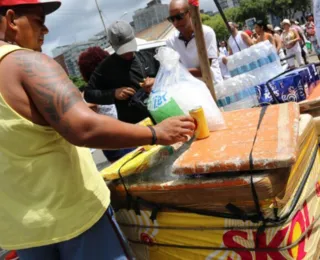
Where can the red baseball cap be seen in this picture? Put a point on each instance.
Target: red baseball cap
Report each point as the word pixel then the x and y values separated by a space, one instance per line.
pixel 49 6
pixel 246 31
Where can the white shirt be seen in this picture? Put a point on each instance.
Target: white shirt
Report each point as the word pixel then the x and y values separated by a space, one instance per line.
pixel 239 42
pixel 224 69
pixel 189 54
pixel 224 51
pixel 108 110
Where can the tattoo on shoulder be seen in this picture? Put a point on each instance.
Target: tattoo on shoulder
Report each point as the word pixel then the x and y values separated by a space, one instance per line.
pixel 53 89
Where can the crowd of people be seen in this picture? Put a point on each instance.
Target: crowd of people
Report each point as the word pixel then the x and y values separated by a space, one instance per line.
pixel 290 40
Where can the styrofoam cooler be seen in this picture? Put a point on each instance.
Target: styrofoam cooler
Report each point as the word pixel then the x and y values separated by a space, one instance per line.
pixel 286 165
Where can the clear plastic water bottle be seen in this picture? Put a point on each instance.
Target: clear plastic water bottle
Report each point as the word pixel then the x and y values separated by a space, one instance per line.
pixel 243 63
pixel 232 66
pixel 255 57
pixel 264 62
pixel 250 98
pixel 252 61
pixel 238 62
pixel 274 59
pixel 231 89
pixel 221 90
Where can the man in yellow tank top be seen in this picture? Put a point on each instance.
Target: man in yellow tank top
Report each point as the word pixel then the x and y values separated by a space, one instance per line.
pixel 53 203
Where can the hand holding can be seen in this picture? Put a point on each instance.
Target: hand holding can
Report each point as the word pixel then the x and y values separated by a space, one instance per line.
pixel 202 129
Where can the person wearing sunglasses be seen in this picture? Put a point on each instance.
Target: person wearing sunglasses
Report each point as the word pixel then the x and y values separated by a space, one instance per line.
pixel 183 41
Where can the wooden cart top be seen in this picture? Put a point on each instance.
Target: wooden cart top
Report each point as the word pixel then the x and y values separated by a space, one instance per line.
pixel 229 150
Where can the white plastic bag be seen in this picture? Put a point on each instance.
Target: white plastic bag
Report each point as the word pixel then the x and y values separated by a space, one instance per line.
pixel 108 110
pixel 174 85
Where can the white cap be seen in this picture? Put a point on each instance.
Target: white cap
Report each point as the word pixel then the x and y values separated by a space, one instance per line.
pixel 286 21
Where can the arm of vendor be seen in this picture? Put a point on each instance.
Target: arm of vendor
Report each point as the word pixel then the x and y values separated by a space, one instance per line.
pixel 183 41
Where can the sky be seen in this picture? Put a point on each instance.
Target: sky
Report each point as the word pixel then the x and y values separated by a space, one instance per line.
pixel 79 20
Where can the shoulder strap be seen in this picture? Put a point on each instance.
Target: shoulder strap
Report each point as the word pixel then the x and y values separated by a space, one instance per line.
pixel 7 49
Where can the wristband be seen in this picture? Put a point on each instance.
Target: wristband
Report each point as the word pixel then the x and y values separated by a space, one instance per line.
pixel 154 135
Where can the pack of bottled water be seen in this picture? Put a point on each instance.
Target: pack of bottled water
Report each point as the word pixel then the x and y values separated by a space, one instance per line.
pixel 249 68
pixel 237 93
pixel 260 61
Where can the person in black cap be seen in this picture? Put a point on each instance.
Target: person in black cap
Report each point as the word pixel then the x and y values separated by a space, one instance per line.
pixel 123 76
pixel 54 203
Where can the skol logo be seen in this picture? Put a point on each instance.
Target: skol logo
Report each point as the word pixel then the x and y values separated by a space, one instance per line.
pixel 318 188
pixel 292 232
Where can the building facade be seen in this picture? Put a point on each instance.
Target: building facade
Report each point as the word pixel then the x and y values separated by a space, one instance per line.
pixel 153 14
pixel 67 56
pixel 225 4
pixel 60 59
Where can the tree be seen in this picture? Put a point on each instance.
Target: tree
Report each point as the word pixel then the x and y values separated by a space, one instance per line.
pixel 217 24
pixel 79 82
pixel 280 8
pixel 253 8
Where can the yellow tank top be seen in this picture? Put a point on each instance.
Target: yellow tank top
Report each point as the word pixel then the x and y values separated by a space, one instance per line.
pixel 50 190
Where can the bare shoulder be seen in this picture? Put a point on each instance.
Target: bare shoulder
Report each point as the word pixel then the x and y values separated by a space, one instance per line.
pixel 47 84
pixel 34 63
pixel 244 35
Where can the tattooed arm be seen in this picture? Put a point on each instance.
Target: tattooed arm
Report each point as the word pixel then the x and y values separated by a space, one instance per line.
pixel 62 106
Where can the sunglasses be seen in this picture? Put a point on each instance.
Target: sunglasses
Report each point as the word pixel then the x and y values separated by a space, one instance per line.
pixel 177 17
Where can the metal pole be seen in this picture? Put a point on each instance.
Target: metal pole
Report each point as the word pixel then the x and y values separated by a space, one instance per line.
pixel 225 21
pixel 100 13
pixel 222 15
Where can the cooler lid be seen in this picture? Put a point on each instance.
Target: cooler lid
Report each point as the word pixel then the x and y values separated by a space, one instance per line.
pixel 229 150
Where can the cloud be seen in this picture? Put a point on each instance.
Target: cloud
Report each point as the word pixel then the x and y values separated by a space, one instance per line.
pixel 79 20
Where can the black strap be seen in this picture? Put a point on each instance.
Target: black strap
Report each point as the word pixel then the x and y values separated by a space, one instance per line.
pixel 261 229
pixel 238 214
pixel 129 198
pixel 237 211
pixel 154 213
pixel 270 89
pixel 136 207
